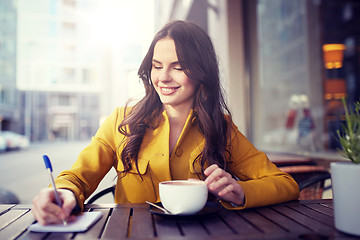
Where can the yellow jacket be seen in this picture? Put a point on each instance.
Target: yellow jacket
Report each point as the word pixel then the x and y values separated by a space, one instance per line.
pixel 263 183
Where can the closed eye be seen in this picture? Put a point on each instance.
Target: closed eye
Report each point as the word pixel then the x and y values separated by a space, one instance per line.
pixel 157 66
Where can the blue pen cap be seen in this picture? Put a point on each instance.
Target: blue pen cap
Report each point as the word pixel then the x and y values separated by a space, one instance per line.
pixel 47 162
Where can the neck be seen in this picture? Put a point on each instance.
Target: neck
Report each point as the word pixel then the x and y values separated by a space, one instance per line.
pixel 177 116
pixel 177 119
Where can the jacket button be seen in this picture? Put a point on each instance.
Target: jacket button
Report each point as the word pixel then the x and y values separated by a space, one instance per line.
pixel 179 152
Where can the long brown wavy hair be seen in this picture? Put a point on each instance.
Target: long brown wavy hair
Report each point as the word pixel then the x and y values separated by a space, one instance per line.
pixel 197 57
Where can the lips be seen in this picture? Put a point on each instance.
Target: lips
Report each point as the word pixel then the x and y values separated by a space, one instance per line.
pixel 168 90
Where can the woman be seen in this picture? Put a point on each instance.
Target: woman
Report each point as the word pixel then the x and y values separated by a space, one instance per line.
pixel 181 129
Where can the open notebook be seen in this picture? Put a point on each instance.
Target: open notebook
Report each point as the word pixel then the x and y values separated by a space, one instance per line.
pixel 82 223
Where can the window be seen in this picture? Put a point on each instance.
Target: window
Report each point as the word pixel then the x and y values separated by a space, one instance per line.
pixel 68 75
pixel 69 28
pixel 307 60
pixel 69 3
pixel 86 75
pixel 69 51
pixel 64 100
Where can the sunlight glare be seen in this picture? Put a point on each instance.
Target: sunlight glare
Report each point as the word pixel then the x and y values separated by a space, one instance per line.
pixel 118 22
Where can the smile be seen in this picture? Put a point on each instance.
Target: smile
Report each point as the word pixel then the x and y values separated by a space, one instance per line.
pixel 168 90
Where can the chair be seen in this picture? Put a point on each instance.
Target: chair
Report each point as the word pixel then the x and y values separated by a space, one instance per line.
pixel 8 197
pixel 310 178
pixel 102 193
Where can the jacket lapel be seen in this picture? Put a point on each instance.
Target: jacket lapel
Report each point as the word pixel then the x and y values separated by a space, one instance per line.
pixel 155 149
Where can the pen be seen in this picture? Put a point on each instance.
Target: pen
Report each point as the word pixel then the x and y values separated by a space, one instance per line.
pixel 50 170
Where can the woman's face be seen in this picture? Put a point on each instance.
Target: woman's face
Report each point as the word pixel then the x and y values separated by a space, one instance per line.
pixel 172 85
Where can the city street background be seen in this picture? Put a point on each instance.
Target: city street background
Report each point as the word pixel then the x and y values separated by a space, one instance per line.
pixel 23 172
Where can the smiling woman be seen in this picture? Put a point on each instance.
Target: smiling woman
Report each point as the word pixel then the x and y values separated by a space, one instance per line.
pixel 180 130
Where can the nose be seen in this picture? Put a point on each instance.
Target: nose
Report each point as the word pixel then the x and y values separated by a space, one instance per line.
pixel 164 75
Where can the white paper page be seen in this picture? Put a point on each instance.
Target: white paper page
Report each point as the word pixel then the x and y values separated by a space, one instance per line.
pixel 82 223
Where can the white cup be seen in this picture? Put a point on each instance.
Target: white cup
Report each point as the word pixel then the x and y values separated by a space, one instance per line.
pixel 183 196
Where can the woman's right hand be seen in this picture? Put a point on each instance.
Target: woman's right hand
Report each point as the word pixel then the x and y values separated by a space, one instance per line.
pixel 45 209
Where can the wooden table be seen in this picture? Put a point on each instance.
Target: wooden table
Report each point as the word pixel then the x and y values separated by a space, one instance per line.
pixel 308 219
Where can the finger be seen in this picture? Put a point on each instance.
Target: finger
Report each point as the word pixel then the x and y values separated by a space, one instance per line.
pixel 219 184
pixel 214 176
pixel 68 206
pixel 54 210
pixel 210 169
pixel 232 193
pixel 226 190
pixel 69 201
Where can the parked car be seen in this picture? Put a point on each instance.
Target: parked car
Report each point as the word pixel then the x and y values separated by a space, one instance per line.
pixel 2 144
pixel 14 140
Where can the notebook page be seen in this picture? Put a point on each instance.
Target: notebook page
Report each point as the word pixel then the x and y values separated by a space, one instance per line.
pixel 82 223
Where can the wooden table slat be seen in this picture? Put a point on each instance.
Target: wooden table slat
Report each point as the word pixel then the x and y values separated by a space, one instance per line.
pixel 321 208
pixel 284 222
pixel 166 228
pixel 117 225
pixel 215 226
pixel 237 223
pixel 141 224
pixel 311 201
pixel 5 207
pixel 328 205
pixel 302 219
pixel 314 214
pixel 10 216
pixel 262 223
pixel 22 207
pixel 192 228
pixel 32 235
pixel 16 228
pixel 55 236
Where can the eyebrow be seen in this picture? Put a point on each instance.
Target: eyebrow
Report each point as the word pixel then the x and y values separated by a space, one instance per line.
pixel 173 63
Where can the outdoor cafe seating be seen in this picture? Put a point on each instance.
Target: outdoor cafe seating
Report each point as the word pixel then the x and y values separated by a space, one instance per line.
pixel 310 176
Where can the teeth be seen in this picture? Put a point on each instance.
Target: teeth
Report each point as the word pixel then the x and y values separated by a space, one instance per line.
pixel 168 89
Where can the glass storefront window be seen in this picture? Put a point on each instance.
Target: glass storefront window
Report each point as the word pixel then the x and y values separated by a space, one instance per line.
pixel 307 60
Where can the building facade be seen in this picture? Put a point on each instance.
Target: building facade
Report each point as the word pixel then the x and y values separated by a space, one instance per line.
pixel 56 74
pixel 66 64
pixel 9 111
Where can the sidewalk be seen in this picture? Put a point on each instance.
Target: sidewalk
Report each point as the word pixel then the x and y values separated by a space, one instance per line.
pixel 23 172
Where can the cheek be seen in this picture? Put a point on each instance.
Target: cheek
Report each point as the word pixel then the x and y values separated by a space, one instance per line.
pixel 190 84
pixel 153 76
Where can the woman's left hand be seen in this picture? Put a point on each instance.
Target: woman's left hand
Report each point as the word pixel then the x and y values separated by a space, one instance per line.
pixel 221 184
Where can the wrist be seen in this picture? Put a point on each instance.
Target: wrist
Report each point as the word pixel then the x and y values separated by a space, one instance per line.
pixel 239 203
